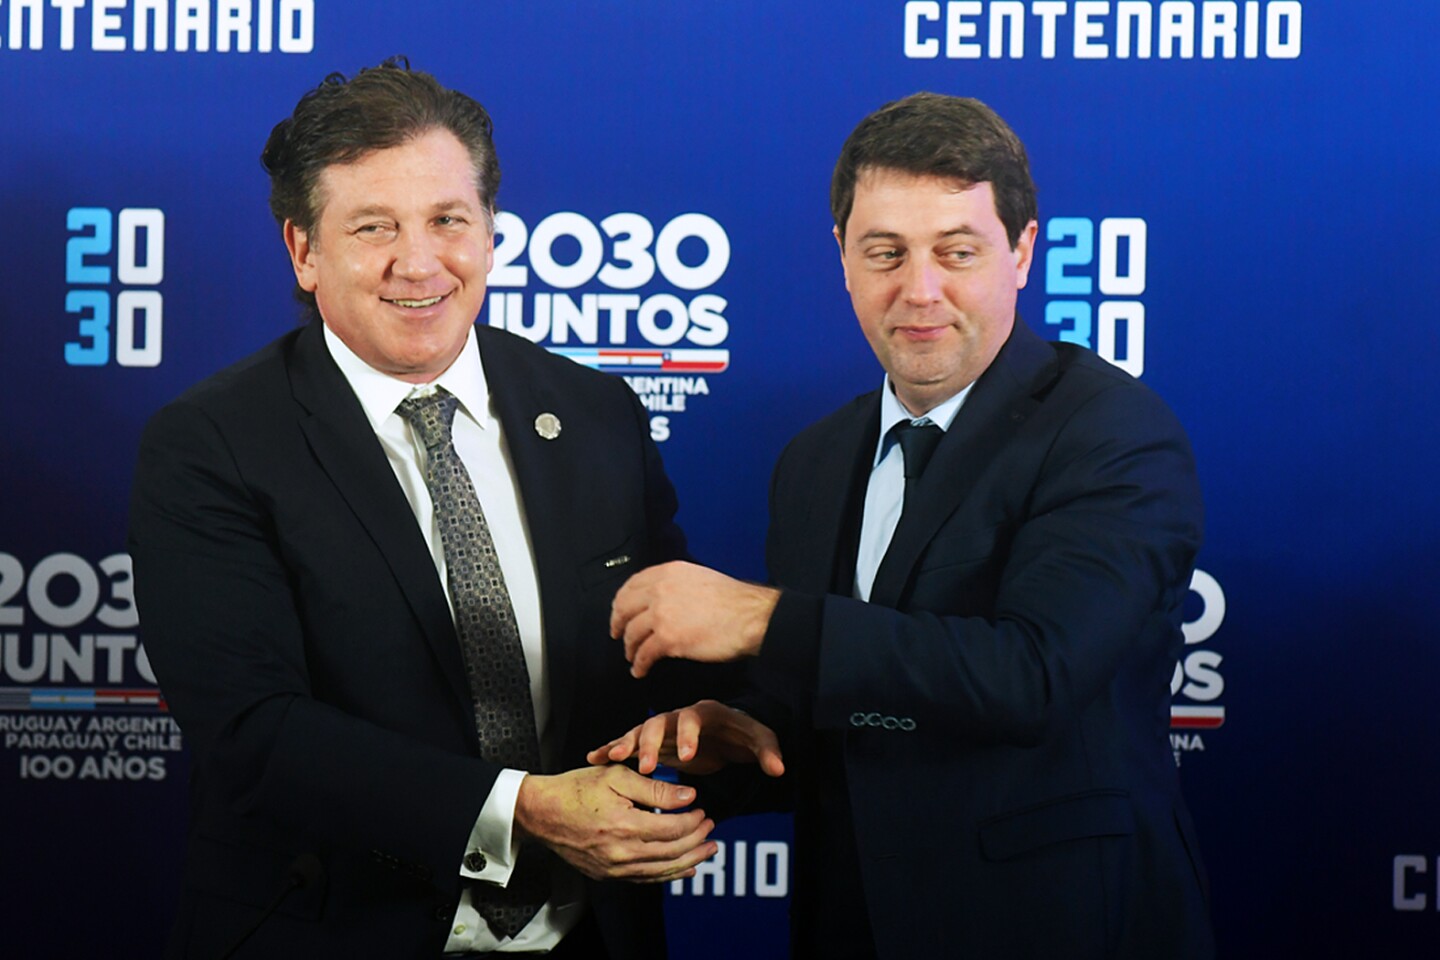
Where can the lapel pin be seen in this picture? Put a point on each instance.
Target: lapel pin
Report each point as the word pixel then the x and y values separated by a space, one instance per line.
pixel 548 426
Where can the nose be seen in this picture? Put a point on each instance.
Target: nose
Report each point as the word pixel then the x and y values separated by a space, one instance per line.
pixel 920 282
pixel 415 256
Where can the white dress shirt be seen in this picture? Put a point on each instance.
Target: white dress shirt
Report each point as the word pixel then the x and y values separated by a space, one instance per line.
pixel 885 493
pixel 481 445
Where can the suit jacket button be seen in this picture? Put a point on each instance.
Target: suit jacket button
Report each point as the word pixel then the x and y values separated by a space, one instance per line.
pixel 445 913
pixel 475 861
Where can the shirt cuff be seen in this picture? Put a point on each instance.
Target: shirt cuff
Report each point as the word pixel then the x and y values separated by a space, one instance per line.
pixel 491 853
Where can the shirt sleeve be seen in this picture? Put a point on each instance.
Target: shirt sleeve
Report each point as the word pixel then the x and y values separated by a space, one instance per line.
pixel 492 850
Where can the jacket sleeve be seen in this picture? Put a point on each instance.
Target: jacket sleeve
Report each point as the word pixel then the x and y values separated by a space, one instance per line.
pixel 1084 583
pixel 223 631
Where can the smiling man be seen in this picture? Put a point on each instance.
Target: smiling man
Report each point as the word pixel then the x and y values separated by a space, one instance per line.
pixel 964 668
pixel 376 561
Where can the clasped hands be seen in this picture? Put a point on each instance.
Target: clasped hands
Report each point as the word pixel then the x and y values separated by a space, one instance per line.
pixel 607 823
pixel 596 818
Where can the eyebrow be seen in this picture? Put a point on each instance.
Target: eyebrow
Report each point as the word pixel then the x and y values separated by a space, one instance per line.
pixel 964 230
pixel 380 210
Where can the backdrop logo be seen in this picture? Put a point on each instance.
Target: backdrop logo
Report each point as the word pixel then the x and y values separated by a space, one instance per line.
pixel 185 26
pixel 1409 883
pixel 735 872
pixel 1102 30
pixel 645 310
pixel 1076 266
pixel 1197 685
pixel 77 695
pixel 104 254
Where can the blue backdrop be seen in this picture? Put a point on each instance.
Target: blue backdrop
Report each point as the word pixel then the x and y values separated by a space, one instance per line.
pixel 1236 200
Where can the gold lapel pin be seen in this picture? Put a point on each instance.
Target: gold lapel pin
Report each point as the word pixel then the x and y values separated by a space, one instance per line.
pixel 548 426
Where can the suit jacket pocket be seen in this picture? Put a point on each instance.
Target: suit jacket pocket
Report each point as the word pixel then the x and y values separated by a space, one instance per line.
pixel 959 573
pixel 948 550
pixel 1095 813
pixel 252 874
pixel 618 562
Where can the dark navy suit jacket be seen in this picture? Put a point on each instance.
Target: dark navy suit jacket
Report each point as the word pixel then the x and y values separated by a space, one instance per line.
pixel 985 742
pixel 293 617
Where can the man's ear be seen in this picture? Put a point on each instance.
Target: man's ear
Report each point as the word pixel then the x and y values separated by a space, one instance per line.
pixel 302 255
pixel 490 245
pixel 841 241
pixel 1025 254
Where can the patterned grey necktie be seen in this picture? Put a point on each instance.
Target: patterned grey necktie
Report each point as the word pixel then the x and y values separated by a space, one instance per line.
pixel 489 643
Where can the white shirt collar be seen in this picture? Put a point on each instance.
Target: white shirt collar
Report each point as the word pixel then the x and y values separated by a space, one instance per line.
pixel 892 411
pixel 379 393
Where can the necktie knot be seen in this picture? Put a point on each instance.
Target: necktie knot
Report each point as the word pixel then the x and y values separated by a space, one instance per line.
pixel 917 444
pixel 432 416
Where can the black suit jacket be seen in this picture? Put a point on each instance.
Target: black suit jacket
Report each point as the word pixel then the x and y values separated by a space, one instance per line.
pixel 987 737
pixel 295 622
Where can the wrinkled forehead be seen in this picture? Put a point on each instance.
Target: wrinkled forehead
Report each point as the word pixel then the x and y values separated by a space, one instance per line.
pixel 876 184
pixel 403 156
pixel 871 178
pixel 880 191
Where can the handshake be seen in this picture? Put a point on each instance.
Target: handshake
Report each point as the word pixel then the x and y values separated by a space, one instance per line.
pixel 610 822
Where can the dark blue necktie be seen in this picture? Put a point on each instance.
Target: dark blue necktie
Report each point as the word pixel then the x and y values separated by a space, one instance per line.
pixel 917 445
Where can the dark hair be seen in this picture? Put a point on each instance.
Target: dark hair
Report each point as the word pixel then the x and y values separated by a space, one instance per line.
pixel 341 121
pixel 934 135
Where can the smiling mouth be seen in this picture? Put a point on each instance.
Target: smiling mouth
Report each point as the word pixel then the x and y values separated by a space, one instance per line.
pixel 414 304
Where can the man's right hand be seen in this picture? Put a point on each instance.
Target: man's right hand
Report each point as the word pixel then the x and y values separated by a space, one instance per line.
pixel 600 821
pixel 698 739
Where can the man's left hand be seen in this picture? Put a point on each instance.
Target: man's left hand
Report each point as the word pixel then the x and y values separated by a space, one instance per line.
pixel 683 610
pixel 698 739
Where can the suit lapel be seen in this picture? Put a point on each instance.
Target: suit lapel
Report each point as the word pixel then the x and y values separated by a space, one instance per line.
pixel 1003 399
pixel 346 449
pixel 832 532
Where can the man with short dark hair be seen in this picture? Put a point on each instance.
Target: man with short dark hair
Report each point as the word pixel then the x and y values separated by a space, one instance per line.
pixel 981 569
pixel 376 561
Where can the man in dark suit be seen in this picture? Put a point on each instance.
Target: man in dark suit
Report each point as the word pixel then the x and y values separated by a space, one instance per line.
pixel 376 561
pixel 981 569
